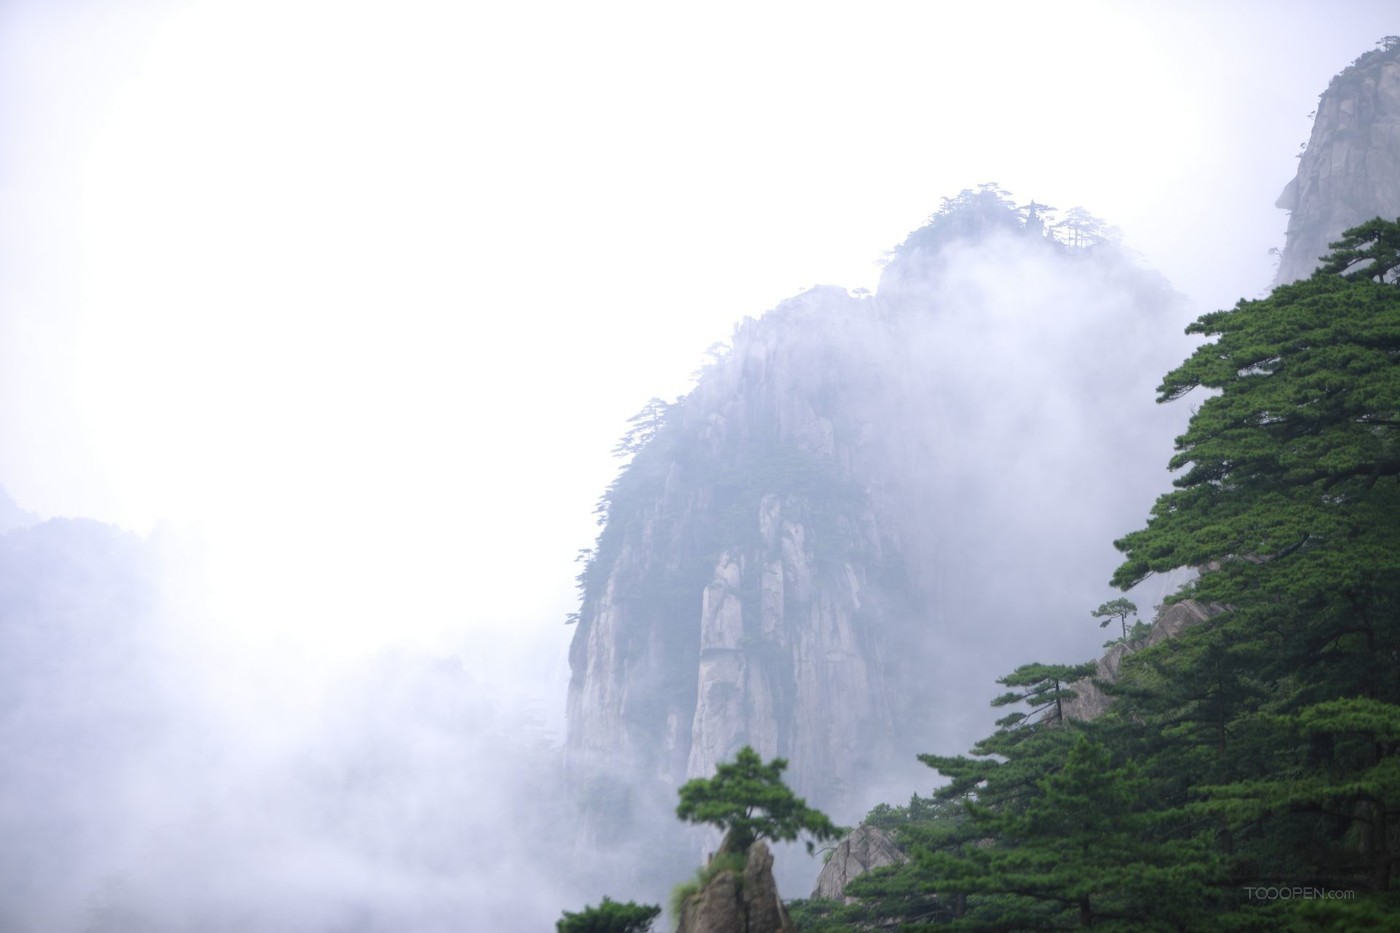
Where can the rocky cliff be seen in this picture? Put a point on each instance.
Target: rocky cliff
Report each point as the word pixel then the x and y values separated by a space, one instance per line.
pixel 1350 170
pixel 742 582
pixel 816 551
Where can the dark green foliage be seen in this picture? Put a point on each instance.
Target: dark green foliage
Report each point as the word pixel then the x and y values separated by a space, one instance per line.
pixel 1081 848
pixel 1285 468
pixel 1370 251
pixel 1289 498
pixel 748 800
pixel 1118 609
pixel 907 893
pixel 1259 751
pixel 877 908
pixel 1048 829
pixel 1007 763
pixel 610 917
pixel 1042 687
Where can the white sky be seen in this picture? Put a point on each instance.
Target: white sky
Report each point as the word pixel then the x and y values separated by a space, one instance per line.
pixel 364 293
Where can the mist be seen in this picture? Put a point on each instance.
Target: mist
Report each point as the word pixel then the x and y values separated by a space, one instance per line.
pixel 1041 444
pixel 319 325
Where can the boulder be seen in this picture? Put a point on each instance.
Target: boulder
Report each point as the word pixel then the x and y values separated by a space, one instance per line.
pixel 866 848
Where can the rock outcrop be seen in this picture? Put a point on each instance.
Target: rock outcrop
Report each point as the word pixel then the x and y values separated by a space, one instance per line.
pixel 739 903
pixel 867 847
pixel 1350 171
pixel 1090 701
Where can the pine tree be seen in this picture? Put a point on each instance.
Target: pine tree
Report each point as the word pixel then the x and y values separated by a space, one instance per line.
pixel 1289 502
pixel 748 800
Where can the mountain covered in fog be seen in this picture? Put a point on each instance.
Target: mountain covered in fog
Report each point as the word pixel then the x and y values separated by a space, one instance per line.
pixel 149 786
pixel 1349 171
pixel 819 550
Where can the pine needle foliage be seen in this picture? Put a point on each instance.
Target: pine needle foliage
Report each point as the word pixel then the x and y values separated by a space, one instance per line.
pixel 748 800
pixel 1247 775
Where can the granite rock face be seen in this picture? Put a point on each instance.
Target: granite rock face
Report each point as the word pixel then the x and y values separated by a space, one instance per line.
pixel 1350 171
pixel 739 903
pixel 865 848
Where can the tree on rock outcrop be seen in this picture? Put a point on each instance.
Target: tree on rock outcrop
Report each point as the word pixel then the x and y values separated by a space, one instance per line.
pixel 1118 609
pixel 644 426
pixel 748 800
pixel 1042 687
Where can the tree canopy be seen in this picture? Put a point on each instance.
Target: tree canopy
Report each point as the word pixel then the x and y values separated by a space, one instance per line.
pixel 1042 687
pixel 1118 609
pixel 610 917
pixel 748 800
pixel 1288 458
pixel 1375 243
